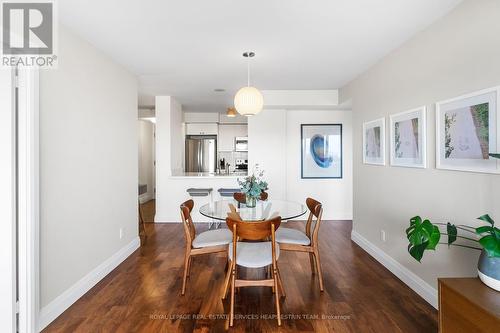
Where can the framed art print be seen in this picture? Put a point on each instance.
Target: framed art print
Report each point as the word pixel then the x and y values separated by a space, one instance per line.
pixel 321 151
pixel 467 131
pixel 408 138
pixel 374 142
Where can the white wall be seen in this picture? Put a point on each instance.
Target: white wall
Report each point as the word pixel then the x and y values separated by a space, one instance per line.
pixel 335 194
pixel 176 136
pixel 146 157
pixel 274 143
pixel 201 117
pixel 169 145
pixel 7 205
pixel 456 55
pixel 267 148
pixel 88 164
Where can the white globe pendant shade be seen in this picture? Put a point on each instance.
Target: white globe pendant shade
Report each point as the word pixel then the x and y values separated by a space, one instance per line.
pixel 248 101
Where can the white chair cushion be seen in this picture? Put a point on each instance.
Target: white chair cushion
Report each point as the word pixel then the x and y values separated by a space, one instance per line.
pixel 291 236
pixel 213 238
pixel 254 255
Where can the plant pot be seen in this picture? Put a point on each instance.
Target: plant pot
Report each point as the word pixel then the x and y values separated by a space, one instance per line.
pixel 251 201
pixel 489 270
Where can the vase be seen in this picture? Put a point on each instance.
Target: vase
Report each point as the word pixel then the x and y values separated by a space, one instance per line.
pixel 488 269
pixel 251 201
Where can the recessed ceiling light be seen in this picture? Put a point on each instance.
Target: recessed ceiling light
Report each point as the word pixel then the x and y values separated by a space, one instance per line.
pixel 219 90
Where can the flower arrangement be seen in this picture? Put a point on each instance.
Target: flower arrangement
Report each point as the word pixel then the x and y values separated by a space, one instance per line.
pixel 253 185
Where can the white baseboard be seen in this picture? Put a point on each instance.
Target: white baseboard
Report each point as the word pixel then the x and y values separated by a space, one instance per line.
pixel 404 274
pixel 55 308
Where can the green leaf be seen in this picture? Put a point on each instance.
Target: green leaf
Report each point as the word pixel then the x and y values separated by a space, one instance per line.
pixel 495 155
pixel 422 236
pixel 491 245
pixel 417 251
pixel 432 234
pixel 483 229
pixel 496 232
pixel 434 238
pixel 486 218
pixel 452 233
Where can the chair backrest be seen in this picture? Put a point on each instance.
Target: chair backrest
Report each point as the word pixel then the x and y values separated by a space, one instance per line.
pixel 187 221
pixel 242 198
pixel 314 220
pixel 253 230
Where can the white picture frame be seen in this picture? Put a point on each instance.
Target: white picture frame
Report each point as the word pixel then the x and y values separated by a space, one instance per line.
pixel 374 142
pixel 408 138
pixel 461 141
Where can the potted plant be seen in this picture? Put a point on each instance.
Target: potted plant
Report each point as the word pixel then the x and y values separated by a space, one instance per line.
pixel 424 235
pixel 253 185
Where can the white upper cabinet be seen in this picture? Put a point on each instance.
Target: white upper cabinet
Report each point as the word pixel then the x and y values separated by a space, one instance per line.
pixel 227 134
pixel 240 130
pixel 202 129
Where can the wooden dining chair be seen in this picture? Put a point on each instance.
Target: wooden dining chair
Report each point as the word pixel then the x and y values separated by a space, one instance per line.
pixel 242 198
pixel 263 196
pixel 295 240
pixel 253 255
pixel 211 241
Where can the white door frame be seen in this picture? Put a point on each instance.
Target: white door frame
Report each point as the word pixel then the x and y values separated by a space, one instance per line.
pixel 7 203
pixel 27 136
pixel 28 199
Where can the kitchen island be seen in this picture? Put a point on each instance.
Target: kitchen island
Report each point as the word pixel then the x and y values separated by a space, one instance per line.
pixel 168 202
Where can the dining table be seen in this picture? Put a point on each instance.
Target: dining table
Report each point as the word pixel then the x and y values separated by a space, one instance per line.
pixel 263 210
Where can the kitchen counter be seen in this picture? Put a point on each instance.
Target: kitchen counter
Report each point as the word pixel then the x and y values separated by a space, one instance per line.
pixel 208 175
pixel 167 202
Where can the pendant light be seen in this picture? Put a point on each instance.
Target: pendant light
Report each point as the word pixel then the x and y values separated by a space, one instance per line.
pixel 231 112
pixel 248 101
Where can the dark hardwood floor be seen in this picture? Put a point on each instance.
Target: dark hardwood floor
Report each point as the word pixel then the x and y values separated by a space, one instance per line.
pixel 143 293
pixel 148 211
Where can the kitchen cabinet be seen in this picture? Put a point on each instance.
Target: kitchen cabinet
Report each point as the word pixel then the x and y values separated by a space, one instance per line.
pixel 227 133
pixel 202 129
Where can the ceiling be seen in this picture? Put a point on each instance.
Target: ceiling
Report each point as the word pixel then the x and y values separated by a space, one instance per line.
pixel 188 48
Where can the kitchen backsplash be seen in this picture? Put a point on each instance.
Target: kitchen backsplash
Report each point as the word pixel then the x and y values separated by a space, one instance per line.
pixel 231 157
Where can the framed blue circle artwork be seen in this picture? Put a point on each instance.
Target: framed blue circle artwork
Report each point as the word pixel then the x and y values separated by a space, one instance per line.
pixel 321 151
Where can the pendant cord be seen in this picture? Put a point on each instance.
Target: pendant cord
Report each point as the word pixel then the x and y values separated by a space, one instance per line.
pixel 248 72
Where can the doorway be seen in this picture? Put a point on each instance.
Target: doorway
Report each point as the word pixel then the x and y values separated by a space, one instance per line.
pixel 147 163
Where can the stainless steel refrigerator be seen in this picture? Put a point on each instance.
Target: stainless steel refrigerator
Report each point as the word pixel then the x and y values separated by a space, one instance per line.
pixel 201 153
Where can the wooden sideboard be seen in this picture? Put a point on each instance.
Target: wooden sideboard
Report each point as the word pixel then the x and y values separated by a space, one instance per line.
pixel 467 305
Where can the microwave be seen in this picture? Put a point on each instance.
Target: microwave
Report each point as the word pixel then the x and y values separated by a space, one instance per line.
pixel 241 143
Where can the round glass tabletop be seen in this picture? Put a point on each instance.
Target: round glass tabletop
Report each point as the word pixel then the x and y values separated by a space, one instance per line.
pixel 262 211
